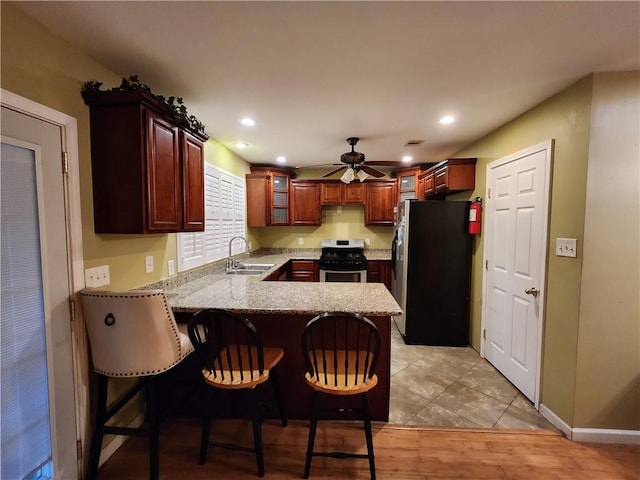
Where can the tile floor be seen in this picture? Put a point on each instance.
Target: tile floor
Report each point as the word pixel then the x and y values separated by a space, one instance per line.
pixel 454 387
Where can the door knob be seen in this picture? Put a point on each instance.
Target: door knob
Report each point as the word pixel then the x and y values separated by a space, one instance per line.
pixel 532 291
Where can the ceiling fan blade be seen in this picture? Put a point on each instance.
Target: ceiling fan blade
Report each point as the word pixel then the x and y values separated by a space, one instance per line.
pixel 383 163
pixel 333 171
pixel 372 171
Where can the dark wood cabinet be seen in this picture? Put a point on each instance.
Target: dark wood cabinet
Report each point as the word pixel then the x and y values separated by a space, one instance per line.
pixel 305 203
pixel 304 271
pixel 379 271
pixel 381 198
pixel 148 174
pixel 409 183
pixel 450 176
pixel 268 196
pixel 339 193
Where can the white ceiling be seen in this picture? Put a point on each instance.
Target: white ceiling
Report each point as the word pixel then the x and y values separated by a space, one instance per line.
pixel 314 73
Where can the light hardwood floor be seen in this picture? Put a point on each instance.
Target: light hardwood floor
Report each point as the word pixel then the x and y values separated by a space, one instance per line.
pixel 402 453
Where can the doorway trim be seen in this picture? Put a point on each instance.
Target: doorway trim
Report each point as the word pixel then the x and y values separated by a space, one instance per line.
pixel 69 128
pixel 548 147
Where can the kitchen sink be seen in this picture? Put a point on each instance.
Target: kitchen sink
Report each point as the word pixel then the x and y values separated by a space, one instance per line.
pixel 250 269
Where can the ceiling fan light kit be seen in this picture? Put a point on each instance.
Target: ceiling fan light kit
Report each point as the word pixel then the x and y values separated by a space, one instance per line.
pixel 355 165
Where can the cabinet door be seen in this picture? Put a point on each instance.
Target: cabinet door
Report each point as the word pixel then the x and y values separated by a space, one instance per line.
pixel 305 203
pixel 440 179
pixel 381 200
pixel 257 199
pixel 331 193
pixel 304 271
pixel 279 200
pixel 192 183
pixel 354 193
pixel 407 186
pixel 164 199
pixel 429 184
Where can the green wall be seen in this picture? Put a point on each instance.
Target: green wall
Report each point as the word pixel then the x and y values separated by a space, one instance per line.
pixel 50 71
pixel 566 118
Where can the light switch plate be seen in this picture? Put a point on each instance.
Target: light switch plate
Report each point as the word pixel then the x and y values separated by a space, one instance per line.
pixel 171 266
pixel 300 241
pixel 148 264
pixel 566 247
pixel 97 276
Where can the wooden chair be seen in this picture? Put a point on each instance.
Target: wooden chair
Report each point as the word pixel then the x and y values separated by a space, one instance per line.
pixel 233 358
pixel 340 352
pixel 131 334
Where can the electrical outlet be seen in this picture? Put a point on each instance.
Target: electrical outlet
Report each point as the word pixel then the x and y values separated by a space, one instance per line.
pixel 367 241
pixel 339 208
pixel 566 247
pixel 148 264
pixel 300 241
pixel 171 266
pixel 97 276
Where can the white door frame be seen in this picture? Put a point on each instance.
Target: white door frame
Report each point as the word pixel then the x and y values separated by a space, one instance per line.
pixel 69 128
pixel 547 147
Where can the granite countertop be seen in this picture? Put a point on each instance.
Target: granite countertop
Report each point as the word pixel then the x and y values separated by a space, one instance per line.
pixel 250 294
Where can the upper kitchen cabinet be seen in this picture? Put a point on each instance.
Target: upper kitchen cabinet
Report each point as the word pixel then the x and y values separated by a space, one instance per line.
pixel 410 185
pixel 305 203
pixel 268 197
pixel 381 198
pixel 147 172
pixel 339 193
pixel 450 176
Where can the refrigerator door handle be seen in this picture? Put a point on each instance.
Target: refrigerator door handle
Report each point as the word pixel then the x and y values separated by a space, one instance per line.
pixel 394 248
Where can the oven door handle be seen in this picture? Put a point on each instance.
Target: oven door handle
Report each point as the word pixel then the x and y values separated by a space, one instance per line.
pixel 394 248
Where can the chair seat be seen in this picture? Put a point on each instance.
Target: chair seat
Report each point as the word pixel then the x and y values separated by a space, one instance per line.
pixel 234 371
pixel 353 382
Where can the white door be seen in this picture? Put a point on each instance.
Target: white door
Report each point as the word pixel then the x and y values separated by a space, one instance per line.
pixel 32 151
pixel 516 219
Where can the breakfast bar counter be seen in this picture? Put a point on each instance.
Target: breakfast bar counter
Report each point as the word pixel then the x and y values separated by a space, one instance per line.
pixel 281 309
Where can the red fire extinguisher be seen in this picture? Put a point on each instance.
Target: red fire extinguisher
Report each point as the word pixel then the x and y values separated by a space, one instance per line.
pixel 475 216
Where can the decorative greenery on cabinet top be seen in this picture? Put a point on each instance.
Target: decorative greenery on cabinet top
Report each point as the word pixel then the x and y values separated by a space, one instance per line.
pixel 173 106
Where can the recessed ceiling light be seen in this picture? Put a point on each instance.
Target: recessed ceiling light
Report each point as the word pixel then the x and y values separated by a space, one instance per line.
pixel 241 145
pixel 447 119
pixel 281 159
pixel 407 159
pixel 248 122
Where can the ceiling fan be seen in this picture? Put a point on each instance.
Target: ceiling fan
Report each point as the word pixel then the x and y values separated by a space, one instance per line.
pixel 356 166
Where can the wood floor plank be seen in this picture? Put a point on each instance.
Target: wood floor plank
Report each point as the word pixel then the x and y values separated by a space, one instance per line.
pixel 408 453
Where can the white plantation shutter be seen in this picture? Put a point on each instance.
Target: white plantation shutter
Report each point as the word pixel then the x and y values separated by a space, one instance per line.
pixel 224 201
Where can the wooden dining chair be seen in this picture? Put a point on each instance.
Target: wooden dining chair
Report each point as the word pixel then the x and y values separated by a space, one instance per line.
pixel 232 357
pixel 131 334
pixel 340 353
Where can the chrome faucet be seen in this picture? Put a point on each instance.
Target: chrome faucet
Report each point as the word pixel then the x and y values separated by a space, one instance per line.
pixel 231 263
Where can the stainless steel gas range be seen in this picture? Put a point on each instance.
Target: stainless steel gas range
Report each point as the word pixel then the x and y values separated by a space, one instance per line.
pixel 343 261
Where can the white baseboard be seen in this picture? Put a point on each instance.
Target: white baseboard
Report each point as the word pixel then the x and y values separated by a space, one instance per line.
pixel 117 442
pixel 591 435
pixel 604 435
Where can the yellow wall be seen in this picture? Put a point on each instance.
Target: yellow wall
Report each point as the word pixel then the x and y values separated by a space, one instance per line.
pixel 608 367
pixel 48 70
pixel 564 117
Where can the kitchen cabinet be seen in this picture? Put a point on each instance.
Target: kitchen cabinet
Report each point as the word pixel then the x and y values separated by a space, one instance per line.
pixel 453 175
pixel 379 271
pixel 268 196
pixel 148 174
pixel 339 193
pixel 305 203
pixel 429 186
pixel 409 183
pixel 304 271
pixel 381 198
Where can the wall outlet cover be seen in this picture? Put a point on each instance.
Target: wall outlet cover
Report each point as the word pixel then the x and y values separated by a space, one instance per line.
pixel 148 264
pixel 171 267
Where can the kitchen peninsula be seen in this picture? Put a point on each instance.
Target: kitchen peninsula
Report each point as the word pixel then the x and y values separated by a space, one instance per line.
pixel 281 309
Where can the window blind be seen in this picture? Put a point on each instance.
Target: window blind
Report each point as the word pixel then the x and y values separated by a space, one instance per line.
pixel 224 200
pixel 24 406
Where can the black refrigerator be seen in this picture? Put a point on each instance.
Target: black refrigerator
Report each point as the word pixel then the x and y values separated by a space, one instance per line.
pixel 431 257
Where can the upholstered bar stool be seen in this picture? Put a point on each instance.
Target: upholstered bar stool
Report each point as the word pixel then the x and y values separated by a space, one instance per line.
pixel 131 334
pixel 340 352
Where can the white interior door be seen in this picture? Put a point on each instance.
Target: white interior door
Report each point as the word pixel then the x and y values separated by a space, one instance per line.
pixel 36 146
pixel 515 251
